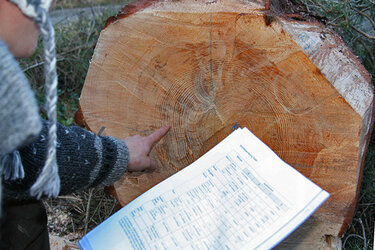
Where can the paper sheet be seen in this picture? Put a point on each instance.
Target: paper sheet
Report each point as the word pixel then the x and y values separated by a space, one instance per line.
pixel 239 195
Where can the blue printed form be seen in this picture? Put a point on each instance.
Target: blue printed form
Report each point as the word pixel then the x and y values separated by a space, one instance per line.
pixel 239 195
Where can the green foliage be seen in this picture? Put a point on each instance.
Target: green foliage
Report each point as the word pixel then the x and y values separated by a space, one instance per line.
pixel 75 44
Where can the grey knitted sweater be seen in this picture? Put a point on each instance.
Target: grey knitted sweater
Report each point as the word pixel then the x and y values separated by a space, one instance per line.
pixel 84 159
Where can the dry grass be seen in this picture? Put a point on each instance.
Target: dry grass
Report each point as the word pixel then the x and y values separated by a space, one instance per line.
pixel 74 215
pixel 75 44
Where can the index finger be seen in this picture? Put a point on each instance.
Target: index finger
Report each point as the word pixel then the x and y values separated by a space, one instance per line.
pixel 157 135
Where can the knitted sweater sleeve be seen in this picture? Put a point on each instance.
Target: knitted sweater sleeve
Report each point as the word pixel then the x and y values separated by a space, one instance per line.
pixel 84 160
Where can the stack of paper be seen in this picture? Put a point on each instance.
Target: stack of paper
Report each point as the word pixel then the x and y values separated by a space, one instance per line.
pixel 238 195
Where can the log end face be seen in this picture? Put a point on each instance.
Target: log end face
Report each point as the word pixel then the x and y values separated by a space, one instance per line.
pixel 207 73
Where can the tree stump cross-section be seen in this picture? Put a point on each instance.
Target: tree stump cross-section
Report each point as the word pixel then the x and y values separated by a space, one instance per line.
pixel 206 68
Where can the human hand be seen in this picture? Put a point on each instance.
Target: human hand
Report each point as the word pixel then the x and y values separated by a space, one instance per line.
pixel 140 148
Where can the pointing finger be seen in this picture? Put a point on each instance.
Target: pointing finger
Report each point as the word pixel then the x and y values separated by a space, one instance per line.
pixel 156 135
pixel 153 164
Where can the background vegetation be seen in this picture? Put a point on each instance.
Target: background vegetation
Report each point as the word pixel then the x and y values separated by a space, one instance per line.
pixel 73 215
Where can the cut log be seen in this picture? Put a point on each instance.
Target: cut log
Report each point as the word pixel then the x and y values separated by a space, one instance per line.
pixel 208 67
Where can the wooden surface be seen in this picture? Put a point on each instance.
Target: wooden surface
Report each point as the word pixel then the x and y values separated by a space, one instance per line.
pixel 207 70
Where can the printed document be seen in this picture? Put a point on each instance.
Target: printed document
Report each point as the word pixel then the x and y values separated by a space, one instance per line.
pixel 239 195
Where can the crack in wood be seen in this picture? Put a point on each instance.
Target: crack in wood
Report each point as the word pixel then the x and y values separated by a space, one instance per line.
pixel 211 78
pixel 87 116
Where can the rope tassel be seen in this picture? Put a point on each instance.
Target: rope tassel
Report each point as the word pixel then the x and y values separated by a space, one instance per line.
pixel 48 182
pixel 11 166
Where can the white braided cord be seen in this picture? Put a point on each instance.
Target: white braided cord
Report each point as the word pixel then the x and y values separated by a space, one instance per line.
pixel 31 7
pixel 48 182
